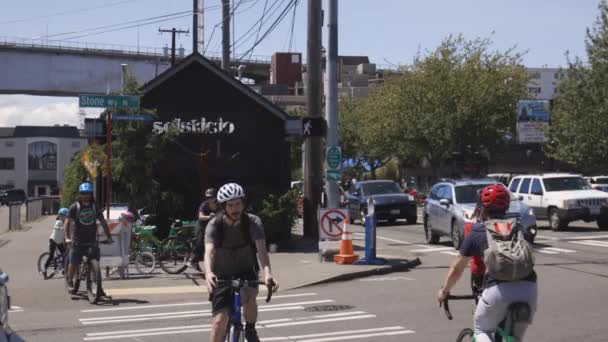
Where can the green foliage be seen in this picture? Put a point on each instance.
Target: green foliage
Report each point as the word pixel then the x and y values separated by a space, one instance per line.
pixel 579 119
pixel 74 174
pixel 278 213
pixel 461 94
pixel 389 171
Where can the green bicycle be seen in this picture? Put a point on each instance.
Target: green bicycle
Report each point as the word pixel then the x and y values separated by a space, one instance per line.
pixel 518 312
pixel 173 252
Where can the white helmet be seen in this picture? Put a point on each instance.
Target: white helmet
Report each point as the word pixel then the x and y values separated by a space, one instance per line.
pixel 230 192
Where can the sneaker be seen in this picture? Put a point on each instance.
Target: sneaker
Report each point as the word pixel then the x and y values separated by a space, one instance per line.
pixel 251 335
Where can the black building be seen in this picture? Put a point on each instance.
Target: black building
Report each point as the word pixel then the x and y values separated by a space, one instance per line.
pixel 227 132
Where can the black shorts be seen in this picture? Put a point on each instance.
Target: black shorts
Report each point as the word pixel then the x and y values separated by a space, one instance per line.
pixel 222 298
pixel 78 251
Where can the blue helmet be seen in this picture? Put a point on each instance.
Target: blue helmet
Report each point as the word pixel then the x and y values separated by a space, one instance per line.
pixel 85 187
pixel 63 212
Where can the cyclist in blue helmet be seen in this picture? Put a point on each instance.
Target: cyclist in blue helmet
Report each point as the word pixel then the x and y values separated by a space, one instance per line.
pixel 57 239
pixel 83 216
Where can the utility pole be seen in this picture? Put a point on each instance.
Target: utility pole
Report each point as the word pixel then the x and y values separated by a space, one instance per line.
pixel 331 101
pixel 173 32
pixel 313 167
pixel 226 34
pixel 198 26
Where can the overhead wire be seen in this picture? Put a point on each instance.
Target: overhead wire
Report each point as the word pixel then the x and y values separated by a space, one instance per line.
pixel 266 16
pixel 65 12
pixel 232 12
pixel 293 24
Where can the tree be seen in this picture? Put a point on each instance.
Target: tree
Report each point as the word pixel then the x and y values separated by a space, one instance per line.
pixel 462 94
pixel 579 119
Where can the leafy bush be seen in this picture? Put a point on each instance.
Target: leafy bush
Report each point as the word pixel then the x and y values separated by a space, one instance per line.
pixel 74 174
pixel 278 213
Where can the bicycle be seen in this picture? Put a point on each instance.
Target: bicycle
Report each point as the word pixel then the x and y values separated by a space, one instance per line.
pixel 171 253
pixel 235 332
pixel 89 272
pixel 518 312
pixel 55 266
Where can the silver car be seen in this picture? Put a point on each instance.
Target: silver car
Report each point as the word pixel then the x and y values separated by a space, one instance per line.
pixel 451 204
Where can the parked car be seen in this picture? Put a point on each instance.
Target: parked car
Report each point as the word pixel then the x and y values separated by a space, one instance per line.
pixel 12 196
pixel 562 198
pixel 451 204
pixel 598 182
pixel 390 203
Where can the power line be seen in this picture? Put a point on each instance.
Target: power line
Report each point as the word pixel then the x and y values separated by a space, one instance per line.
pixel 271 28
pixel 128 27
pixel 257 35
pixel 293 24
pixel 66 12
pixel 221 21
pixel 112 25
pixel 262 21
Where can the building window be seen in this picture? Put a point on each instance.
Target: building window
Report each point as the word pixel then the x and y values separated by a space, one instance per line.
pixel 9 144
pixel 535 75
pixel 75 144
pixel 7 163
pixel 42 155
pixel 534 90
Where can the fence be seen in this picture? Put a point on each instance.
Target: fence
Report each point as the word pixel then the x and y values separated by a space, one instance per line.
pixel 14 216
pixel 33 209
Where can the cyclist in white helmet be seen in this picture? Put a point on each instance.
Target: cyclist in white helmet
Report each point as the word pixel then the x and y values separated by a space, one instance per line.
pixel 234 243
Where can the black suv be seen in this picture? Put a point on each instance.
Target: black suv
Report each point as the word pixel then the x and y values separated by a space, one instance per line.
pixel 12 196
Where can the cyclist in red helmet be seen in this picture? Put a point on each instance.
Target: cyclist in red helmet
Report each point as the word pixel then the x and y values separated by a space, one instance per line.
pixel 496 294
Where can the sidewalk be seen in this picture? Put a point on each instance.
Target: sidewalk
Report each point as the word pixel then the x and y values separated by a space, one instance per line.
pixel 295 265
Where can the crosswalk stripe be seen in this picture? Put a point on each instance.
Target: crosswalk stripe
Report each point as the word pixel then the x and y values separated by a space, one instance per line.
pixel 592 243
pixel 353 337
pixel 451 253
pixel 337 319
pixel 585 237
pixel 546 251
pixel 561 250
pixel 144 307
pixel 333 333
pixel 426 250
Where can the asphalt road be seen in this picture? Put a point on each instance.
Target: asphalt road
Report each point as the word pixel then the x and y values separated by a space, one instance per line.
pixel 573 280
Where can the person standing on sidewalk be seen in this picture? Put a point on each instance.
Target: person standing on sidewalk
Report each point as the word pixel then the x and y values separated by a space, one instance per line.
pixel 206 211
pixel 234 243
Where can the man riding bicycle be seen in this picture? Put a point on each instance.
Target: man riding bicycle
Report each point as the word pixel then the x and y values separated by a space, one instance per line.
pixel 497 294
pixel 206 211
pixel 83 214
pixel 234 242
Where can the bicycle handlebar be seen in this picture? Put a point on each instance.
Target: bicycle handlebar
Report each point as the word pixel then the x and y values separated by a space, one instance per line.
pixel 237 284
pixel 446 305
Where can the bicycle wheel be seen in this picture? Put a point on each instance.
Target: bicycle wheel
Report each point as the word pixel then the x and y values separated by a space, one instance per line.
pixel 94 288
pixel 73 284
pixel 173 256
pixel 145 262
pixel 466 335
pixel 235 334
pixel 42 259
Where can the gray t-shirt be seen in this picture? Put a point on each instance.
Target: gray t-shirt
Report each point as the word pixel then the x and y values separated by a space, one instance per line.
pixel 235 257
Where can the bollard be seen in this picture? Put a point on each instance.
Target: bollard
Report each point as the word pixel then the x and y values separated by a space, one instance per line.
pixel 370 243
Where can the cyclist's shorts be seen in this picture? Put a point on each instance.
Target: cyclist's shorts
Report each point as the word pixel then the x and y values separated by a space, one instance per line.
pixel 222 298
pixel 78 252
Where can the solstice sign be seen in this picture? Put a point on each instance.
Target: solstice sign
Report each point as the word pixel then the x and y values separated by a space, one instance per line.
pixel 201 126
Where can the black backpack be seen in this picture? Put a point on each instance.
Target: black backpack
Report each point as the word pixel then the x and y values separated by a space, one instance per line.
pixel 245 223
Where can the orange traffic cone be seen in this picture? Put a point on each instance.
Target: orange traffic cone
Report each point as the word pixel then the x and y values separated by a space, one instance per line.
pixel 346 256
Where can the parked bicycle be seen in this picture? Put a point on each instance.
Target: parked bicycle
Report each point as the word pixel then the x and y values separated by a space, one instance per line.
pixel 89 273
pixel 518 312
pixel 55 267
pixel 177 249
pixel 235 331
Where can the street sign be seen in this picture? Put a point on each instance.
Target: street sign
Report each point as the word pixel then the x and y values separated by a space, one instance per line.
pixel 109 101
pixel 332 223
pixel 333 175
pixel 313 127
pixel 333 158
pixel 137 117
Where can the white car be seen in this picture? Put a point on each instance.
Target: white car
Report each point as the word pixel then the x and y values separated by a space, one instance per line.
pixel 562 198
pixel 598 182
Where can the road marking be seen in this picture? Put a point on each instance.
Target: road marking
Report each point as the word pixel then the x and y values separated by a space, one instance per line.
pixel 451 253
pixel 545 251
pixel 592 243
pixel 145 307
pixel 585 237
pixel 15 308
pixel 542 237
pixel 205 328
pixel 439 249
pixel 337 333
pixel 155 290
pixel 388 239
pixel 386 279
pixel 555 249
pixel 353 337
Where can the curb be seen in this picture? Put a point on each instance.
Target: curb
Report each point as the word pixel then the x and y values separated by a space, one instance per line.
pixel 400 267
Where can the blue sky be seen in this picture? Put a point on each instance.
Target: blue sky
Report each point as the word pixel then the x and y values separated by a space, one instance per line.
pixel 389 31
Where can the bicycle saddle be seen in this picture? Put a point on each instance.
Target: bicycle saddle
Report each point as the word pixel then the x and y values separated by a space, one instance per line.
pixel 520 312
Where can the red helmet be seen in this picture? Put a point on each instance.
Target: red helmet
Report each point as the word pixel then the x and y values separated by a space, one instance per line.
pixel 495 197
